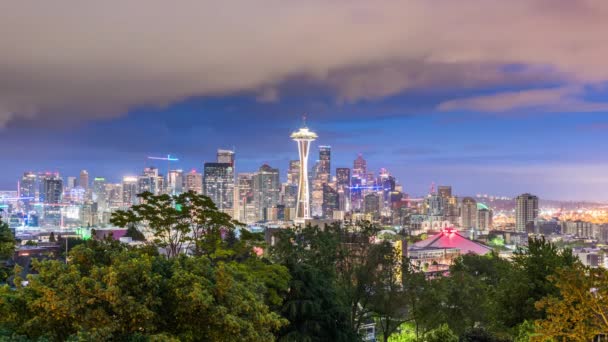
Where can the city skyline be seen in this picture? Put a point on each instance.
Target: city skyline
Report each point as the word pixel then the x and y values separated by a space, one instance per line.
pixel 477 108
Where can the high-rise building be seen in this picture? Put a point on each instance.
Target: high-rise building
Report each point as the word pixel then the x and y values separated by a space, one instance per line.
pixel 468 213
pixel 218 184
pixel 99 194
pixel 114 195
pixel 130 188
pixel 71 183
pixel 303 137
pixel 444 191
pixel 51 188
pixel 484 217
pixel 84 180
pixel 343 187
pixel 372 205
pixel 27 188
pixel 194 182
pixel 245 198
pixel 293 174
pixel 175 182
pixel 331 201
pixel 325 160
pixel 150 181
pixel 526 212
pixel 266 189
pixel 360 167
pixel 225 156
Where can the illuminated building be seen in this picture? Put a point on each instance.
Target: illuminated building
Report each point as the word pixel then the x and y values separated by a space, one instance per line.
pixel 194 182
pixel 293 174
pixel 71 183
pixel 444 191
pixel 150 181
pixel 526 212
pixel 331 201
pixel 484 217
pixel 99 193
pixel 114 195
pixel 218 184
pixel 84 180
pixel 303 137
pixel 245 199
pixel 325 160
pixel 360 167
pixel 129 190
pixel 51 188
pixel 27 188
pixel 343 187
pixel 175 182
pixel 289 195
pixel 266 189
pixel 468 213
pixel 372 205
pixel 225 156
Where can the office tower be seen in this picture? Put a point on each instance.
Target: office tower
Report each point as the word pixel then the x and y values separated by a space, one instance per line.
pixel 343 187
pixel 325 160
pixel 372 205
pixel 99 194
pixel 484 217
pixel 27 188
pixel 293 174
pixel 175 182
pixel 468 213
pixel 194 182
pixel 130 188
pixel 84 180
pixel 289 195
pixel 526 212
pixel 51 188
pixel 225 156
pixel 71 183
pixel 150 181
pixel 246 206
pixel 356 193
pixel 266 189
pixel 303 137
pixel 331 201
pixel 114 195
pixel 218 184
pixel 444 191
pixel 360 167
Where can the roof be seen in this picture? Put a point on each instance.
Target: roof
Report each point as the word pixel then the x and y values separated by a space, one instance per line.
pixel 482 206
pixel 450 238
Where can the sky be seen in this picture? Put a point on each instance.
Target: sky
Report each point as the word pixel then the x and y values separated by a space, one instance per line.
pixel 489 96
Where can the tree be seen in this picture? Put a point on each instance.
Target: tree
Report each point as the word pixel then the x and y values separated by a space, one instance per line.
pixel 580 311
pixel 52 237
pixel 177 223
pixel 7 240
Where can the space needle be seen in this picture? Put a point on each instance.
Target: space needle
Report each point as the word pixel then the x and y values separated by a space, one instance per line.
pixel 303 137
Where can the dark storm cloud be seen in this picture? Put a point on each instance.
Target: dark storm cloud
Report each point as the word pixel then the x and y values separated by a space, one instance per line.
pixel 98 59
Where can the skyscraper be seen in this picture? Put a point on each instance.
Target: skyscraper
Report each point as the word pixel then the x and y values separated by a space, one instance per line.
pixel 526 212
pixel 84 180
pixel 468 213
pixel 372 205
pixel 175 182
pixel 325 160
pixel 99 193
pixel 484 217
pixel 303 137
pixel 246 206
pixel 51 188
pixel 218 184
pixel 360 167
pixel 194 182
pixel 27 188
pixel 266 189
pixel 129 190
pixel 225 156
pixel 293 174
pixel 343 187
pixel 150 181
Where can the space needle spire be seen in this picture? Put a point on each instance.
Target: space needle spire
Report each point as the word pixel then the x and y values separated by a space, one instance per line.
pixel 303 137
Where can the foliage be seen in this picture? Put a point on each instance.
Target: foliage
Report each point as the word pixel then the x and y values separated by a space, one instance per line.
pixel 178 223
pixel 580 311
pixel 110 291
pixel 7 240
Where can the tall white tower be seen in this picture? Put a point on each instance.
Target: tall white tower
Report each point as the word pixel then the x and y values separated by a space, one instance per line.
pixel 303 137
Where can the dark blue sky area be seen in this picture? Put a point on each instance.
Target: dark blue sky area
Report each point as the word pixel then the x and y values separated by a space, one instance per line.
pixel 554 155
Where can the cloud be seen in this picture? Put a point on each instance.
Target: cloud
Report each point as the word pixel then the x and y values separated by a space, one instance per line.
pixel 560 99
pixel 80 59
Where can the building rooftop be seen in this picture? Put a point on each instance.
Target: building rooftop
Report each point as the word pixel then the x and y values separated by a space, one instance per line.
pixel 450 238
